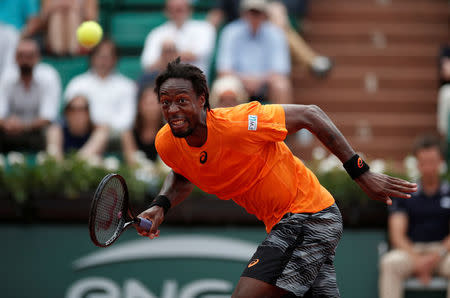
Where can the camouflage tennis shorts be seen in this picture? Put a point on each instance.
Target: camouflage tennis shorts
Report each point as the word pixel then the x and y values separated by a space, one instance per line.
pixel 298 254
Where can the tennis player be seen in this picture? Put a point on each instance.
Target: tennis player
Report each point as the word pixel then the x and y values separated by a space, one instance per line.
pixel 238 153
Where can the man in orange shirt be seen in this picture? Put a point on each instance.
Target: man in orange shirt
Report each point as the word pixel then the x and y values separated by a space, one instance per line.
pixel 238 153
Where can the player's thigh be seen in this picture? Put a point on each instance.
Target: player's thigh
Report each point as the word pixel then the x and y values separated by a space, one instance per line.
pixel 248 287
pixel 325 284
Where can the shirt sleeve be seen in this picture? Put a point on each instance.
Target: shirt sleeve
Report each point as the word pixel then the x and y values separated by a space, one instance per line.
pixel 51 95
pixel 124 120
pixel 225 49
pixel 281 60
pixel 205 38
pixel 443 109
pixel 264 123
pixel 4 91
pixel 152 49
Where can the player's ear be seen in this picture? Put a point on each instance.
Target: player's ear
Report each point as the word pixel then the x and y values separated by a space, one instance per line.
pixel 201 100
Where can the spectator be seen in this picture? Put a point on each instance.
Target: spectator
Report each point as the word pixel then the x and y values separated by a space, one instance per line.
pixel 29 100
pixel 443 108
pixel 111 95
pixel 76 132
pixel 148 122
pixel 301 52
pixel 62 18
pixel 227 91
pixel 256 51
pixel 18 19
pixel 419 227
pixel 193 39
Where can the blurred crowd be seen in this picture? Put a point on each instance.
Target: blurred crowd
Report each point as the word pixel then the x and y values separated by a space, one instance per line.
pixel 102 110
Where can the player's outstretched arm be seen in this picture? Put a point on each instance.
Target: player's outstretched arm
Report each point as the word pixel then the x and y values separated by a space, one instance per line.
pixel 377 186
pixel 175 189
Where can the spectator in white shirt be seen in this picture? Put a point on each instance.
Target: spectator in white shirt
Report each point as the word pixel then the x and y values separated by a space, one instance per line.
pixel 111 95
pixel 29 100
pixel 194 39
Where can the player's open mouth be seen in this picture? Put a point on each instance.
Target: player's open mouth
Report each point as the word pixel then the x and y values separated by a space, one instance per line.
pixel 177 123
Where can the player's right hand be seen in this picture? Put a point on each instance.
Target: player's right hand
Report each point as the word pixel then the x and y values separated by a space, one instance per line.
pixel 156 215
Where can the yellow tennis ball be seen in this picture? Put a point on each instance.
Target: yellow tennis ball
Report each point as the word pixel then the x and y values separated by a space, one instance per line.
pixel 89 34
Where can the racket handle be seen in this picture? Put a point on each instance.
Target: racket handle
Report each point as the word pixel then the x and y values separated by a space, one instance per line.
pixel 145 223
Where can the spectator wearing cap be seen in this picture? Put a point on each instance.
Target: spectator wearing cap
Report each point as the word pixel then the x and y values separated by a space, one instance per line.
pixel 227 91
pixel 75 132
pixel 192 40
pixel 256 51
pixel 278 12
pixel 29 100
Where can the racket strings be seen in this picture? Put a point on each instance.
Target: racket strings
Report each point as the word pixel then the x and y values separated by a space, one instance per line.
pixel 109 215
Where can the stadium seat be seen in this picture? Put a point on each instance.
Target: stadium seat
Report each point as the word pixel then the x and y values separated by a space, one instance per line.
pixel 130 66
pixel 142 3
pixel 68 67
pixel 203 4
pixel 129 29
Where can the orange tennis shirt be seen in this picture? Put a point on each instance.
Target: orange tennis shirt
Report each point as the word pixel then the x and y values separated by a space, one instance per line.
pixel 245 159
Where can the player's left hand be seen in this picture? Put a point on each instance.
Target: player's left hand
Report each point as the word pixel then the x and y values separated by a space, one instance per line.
pixel 382 187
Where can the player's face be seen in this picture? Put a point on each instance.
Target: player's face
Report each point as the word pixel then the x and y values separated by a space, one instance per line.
pixel 181 107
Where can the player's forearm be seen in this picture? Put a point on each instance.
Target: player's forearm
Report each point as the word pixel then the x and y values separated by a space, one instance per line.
pixel 317 122
pixel 176 188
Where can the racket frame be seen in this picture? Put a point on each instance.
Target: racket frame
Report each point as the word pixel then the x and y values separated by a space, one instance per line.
pixel 129 218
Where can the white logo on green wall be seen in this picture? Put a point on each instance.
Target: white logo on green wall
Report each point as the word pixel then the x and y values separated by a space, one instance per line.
pixel 167 248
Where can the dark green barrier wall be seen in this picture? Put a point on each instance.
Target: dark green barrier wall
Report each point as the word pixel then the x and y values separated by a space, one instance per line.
pixel 38 261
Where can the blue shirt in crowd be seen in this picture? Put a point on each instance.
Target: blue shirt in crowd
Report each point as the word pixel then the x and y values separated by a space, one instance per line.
pixel 428 216
pixel 242 52
pixel 17 12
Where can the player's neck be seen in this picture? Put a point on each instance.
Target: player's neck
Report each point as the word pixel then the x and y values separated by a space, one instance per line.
pixel 199 135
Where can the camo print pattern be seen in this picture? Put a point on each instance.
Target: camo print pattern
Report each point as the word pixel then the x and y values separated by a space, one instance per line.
pixel 308 242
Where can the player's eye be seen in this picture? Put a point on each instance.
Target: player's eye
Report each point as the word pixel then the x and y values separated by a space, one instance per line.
pixel 182 100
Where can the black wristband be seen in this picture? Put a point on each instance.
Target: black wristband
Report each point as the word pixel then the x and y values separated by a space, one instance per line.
pixel 162 201
pixel 355 166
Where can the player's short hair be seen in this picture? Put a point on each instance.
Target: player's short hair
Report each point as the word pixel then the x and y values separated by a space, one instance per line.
pixel 428 141
pixel 176 69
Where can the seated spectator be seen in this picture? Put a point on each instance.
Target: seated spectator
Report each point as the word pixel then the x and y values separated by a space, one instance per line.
pixel 148 121
pixel 18 19
pixel 111 95
pixel 29 100
pixel 62 18
pixel 194 40
pixel 256 51
pixel 443 108
pixel 419 227
pixel 76 132
pixel 227 11
pixel 227 91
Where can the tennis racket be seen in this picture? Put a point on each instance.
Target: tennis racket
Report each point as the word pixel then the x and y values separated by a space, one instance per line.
pixel 110 212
